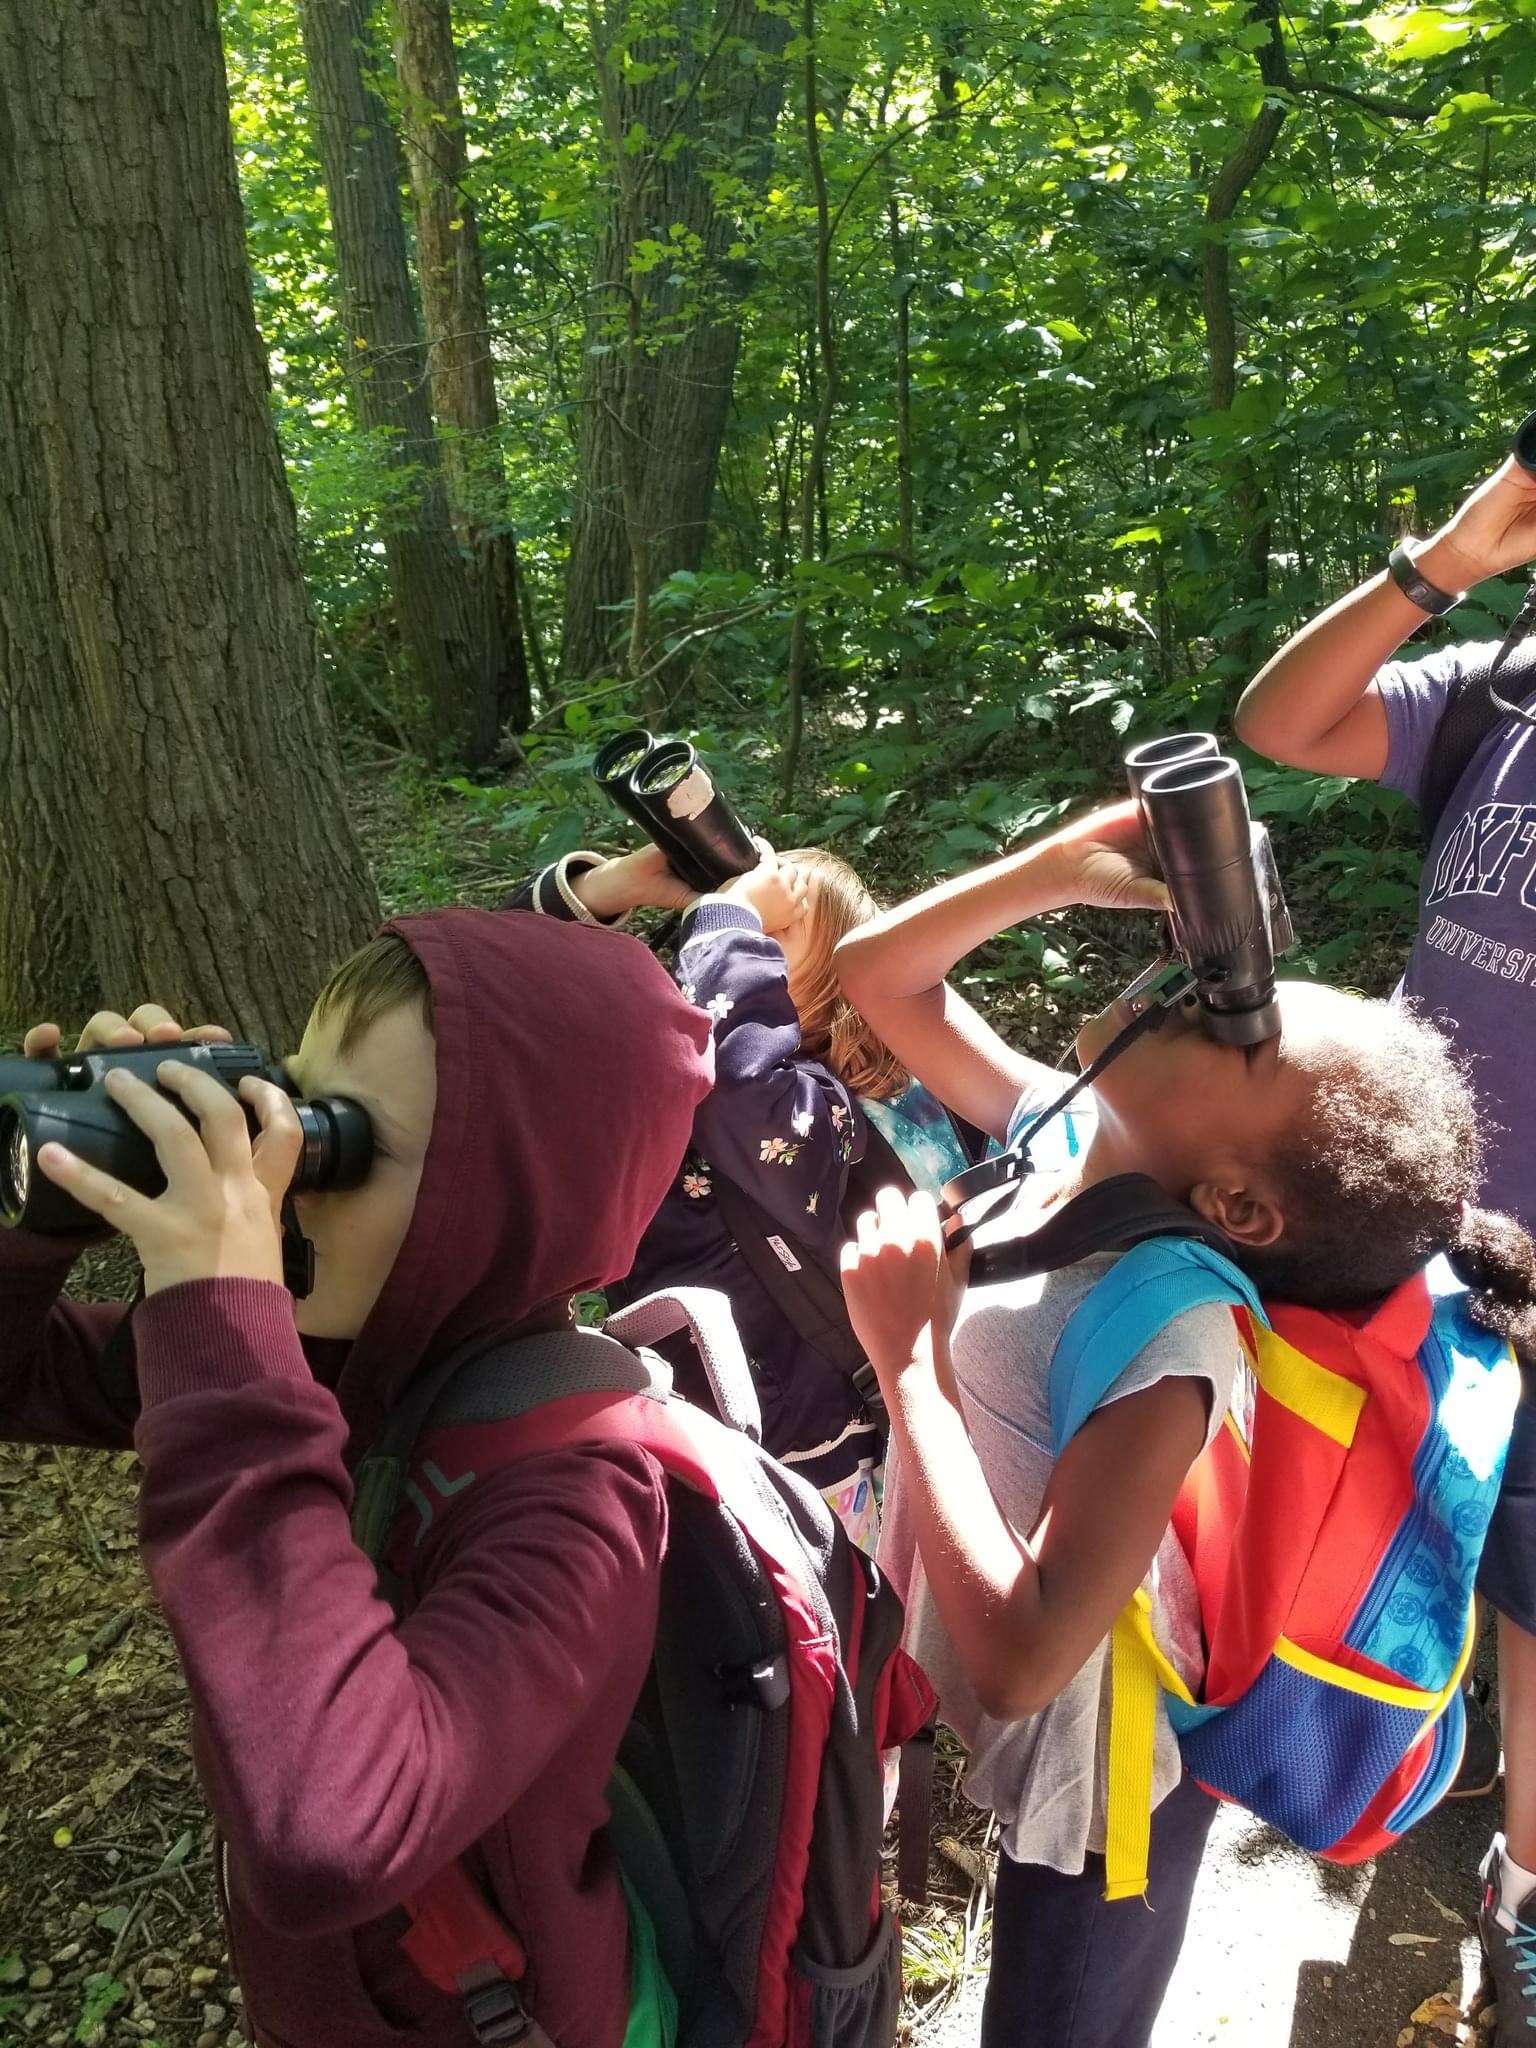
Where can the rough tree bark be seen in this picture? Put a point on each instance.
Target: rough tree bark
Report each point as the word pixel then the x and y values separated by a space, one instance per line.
pixel 656 380
pixel 452 639
pixel 174 823
pixel 459 334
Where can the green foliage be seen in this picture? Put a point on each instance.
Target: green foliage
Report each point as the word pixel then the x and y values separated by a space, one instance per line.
pixel 1025 186
pixel 102 1995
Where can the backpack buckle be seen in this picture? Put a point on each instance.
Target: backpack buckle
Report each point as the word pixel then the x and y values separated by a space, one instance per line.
pixel 496 2013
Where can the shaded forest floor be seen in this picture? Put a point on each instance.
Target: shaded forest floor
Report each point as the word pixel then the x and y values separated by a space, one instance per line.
pixel 108 1930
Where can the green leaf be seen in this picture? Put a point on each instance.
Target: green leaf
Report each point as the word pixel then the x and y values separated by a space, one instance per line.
pixel 76 1665
pixel 1411 35
pixel 1137 537
pixel 1468 108
pixel 103 1995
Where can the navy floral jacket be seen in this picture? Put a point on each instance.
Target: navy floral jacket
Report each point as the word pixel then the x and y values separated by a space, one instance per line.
pixel 784 1129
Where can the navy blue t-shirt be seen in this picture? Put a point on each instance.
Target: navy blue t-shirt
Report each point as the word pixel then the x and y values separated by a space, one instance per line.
pixel 1473 965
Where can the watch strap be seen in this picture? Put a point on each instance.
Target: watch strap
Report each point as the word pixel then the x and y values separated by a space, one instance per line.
pixel 1429 597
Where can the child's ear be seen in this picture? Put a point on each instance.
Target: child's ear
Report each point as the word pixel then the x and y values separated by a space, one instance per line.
pixel 1249 1215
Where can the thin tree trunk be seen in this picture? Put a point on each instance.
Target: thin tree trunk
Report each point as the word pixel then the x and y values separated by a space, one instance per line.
pixel 656 379
pixel 1228 187
pixel 825 358
pixel 458 336
pixel 442 624
pixel 174 812
pixel 906 537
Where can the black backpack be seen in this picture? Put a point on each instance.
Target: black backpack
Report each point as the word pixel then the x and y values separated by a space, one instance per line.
pixel 746 1798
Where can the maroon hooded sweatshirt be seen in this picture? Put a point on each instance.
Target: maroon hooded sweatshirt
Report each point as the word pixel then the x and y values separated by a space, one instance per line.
pixel 345 1756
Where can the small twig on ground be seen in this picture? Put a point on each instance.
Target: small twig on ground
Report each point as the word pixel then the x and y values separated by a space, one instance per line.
pixel 111 1632
pixel 93 1541
pixel 135 1916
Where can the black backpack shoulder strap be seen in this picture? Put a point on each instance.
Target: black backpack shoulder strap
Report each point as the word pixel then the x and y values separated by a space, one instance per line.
pixel 1110 1216
pixel 791 1275
pixel 1472 711
pixel 805 1290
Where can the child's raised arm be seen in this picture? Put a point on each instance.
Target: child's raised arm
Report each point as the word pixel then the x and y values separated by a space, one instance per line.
pixel 1315 704
pixel 1024 1614
pixel 893 969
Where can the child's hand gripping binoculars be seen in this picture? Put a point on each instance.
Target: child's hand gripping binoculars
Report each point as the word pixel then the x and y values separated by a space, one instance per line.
pixel 64 1100
pixel 666 790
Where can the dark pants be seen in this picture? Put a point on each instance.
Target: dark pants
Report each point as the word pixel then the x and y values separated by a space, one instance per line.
pixel 1070 1970
pixel 1506 1578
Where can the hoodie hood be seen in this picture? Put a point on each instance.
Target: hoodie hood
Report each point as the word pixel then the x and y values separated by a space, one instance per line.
pixel 569 1069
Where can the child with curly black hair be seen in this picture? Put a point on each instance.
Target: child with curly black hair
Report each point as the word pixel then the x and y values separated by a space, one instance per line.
pixel 1337 1158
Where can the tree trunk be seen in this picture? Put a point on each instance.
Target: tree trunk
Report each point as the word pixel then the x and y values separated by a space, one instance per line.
pixel 656 380
pixel 824 363
pixel 445 628
pixel 45 941
pixel 1231 182
pixel 459 336
pixel 173 805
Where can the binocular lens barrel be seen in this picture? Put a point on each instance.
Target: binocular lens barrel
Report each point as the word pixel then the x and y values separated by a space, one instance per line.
pixel 1208 852
pixel 613 768
pixel 338 1144
pixel 15 1163
pixel 675 780
pixel 1524 450
pixel 1163 753
pixel 662 787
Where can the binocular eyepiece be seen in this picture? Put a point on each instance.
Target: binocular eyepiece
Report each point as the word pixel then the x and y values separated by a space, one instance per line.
pixel 1228 913
pixel 663 787
pixel 64 1100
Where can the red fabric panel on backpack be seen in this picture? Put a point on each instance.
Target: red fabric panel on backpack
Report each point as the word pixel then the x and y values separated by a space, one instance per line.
pixel 1291 1477
pixel 455 1930
pixel 702 1453
pixel 1287 1541
pixel 1375 1490
pixel 1206 1513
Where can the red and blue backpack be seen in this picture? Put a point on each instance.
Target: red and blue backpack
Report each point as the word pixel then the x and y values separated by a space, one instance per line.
pixel 1334 1525
pixel 777 1677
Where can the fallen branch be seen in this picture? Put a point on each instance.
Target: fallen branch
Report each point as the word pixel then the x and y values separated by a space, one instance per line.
pixel 971 1863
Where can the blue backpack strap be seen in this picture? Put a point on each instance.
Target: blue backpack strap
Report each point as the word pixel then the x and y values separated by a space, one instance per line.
pixel 1141 1294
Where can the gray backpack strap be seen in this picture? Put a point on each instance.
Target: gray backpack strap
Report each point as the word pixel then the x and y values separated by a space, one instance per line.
pixel 706 1314
pixel 492 1384
pixel 509 1380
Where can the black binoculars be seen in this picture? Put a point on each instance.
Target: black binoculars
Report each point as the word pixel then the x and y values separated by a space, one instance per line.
pixel 64 1100
pixel 663 787
pixel 1227 914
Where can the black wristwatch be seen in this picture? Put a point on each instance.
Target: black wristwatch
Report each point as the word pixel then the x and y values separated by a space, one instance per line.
pixel 1416 588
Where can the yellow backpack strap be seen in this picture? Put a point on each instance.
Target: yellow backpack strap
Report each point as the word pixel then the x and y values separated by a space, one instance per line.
pixel 1138 1672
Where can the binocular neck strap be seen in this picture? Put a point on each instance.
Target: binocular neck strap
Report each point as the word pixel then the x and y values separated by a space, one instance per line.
pixel 298 1254
pixel 1155 993
pixel 1519 626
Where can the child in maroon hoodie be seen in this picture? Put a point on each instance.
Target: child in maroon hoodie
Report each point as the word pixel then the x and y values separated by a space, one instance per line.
pixel 347 1756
